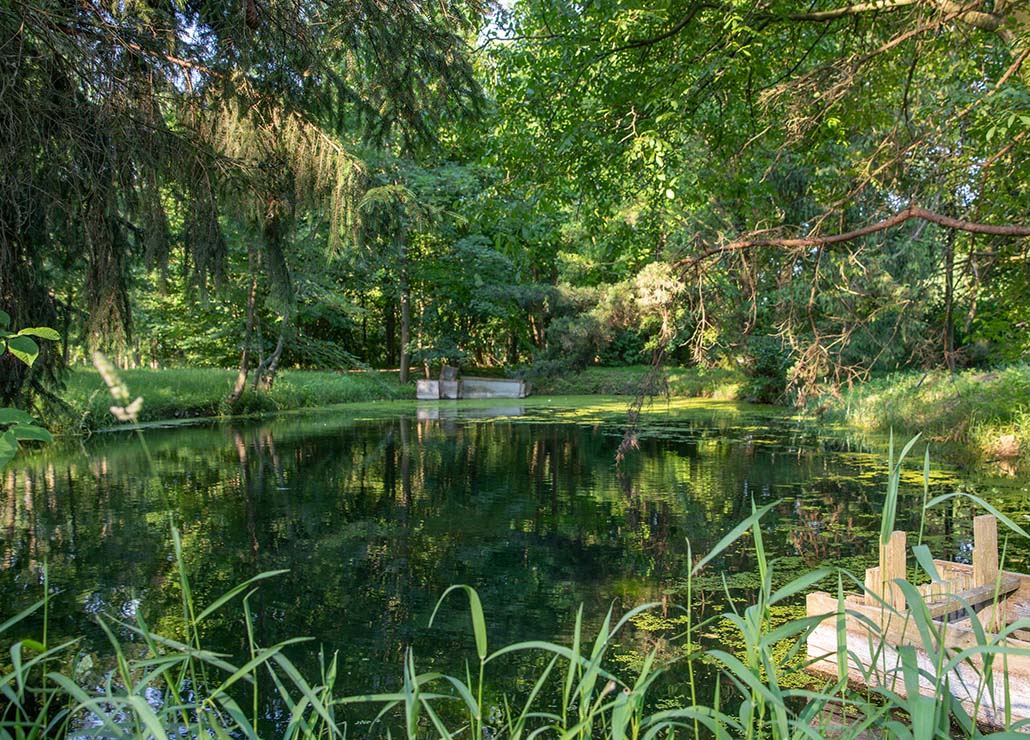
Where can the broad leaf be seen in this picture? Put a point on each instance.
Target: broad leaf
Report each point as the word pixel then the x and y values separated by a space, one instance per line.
pixel 14 416
pixel 28 431
pixel 24 348
pixel 8 447
pixel 43 332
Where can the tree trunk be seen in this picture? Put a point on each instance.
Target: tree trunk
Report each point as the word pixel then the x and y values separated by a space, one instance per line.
pixel 405 311
pixel 949 302
pixel 390 329
pixel 264 376
pixel 248 333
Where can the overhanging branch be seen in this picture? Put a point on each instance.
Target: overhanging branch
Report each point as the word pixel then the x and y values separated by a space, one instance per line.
pixel 849 10
pixel 820 242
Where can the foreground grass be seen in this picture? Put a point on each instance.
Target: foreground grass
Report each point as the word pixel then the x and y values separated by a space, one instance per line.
pixel 984 415
pixel 182 393
pixel 691 382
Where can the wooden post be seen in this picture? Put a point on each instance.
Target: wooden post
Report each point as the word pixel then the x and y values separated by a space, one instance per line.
pixel 873 586
pixel 985 550
pixel 985 565
pixel 892 567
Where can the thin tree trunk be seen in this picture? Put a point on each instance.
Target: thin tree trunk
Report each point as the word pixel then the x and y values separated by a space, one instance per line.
pixel 390 328
pixel 949 303
pixel 405 312
pixel 248 333
pixel 265 374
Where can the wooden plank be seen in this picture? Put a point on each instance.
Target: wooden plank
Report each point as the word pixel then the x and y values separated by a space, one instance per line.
pixel 892 568
pixel 874 663
pixel 985 550
pixel 873 660
pixel 977 598
pixel 900 629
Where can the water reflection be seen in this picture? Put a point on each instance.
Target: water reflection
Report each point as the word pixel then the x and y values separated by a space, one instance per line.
pixel 376 517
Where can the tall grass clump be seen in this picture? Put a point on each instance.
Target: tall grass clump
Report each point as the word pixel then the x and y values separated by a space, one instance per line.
pixel 985 414
pixel 165 688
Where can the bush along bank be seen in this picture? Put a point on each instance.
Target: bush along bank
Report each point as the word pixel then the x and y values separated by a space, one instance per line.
pixel 977 415
pixel 182 393
pixel 678 382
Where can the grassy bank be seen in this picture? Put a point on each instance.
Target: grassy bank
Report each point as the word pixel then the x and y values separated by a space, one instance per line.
pixel 626 381
pixel 981 415
pixel 181 393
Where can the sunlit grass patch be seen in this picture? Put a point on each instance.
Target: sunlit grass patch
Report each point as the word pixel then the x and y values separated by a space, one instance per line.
pixel 181 393
pixel 678 382
pixel 983 414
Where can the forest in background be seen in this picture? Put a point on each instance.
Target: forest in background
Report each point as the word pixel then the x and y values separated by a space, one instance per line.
pixel 807 192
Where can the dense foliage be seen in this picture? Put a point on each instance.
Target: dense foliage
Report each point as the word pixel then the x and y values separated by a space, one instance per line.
pixel 804 192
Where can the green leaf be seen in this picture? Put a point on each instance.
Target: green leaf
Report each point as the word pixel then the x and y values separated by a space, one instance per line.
pixel 8 447
pixel 478 620
pixel 922 553
pixel 14 416
pixel 231 594
pixel 733 535
pixel 5 319
pixel 24 349
pixel 983 505
pixel 28 431
pixel 43 332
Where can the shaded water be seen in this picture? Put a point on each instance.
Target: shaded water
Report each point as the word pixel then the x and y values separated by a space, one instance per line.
pixel 376 510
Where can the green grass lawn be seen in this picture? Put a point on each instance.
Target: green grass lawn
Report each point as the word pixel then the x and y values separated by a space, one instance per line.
pixel 987 413
pixel 621 381
pixel 181 393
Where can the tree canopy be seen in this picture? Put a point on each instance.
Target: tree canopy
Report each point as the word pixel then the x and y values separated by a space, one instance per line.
pixel 808 190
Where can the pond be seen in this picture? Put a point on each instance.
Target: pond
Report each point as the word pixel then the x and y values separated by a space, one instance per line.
pixel 375 510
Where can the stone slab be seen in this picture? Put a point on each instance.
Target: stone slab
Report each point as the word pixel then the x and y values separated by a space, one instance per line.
pixel 427 390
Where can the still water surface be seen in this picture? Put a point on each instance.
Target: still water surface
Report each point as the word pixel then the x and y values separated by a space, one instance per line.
pixel 376 510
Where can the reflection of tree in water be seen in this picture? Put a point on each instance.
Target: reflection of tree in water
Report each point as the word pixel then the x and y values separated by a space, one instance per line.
pixel 375 519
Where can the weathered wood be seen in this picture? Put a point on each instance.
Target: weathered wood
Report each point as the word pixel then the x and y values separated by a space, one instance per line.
pixel 873 586
pixel 873 659
pixel 985 550
pixel 893 568
pixel 953 605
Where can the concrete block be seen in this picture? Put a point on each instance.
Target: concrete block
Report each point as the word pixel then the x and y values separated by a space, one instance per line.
pixel 427 390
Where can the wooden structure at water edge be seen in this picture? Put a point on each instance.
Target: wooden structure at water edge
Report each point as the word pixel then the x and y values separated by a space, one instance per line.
pixel 993 686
